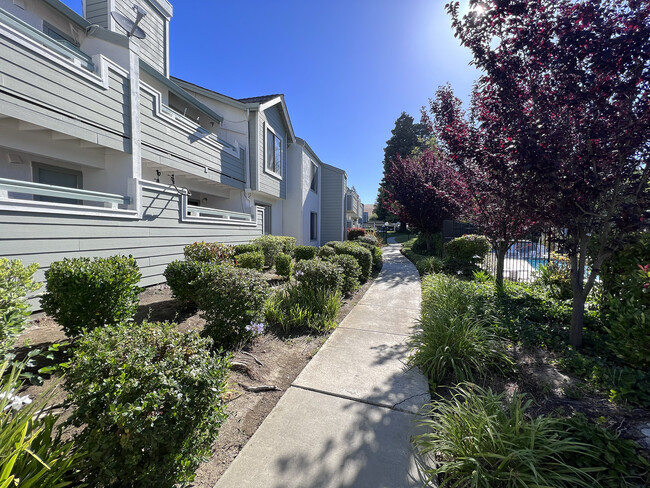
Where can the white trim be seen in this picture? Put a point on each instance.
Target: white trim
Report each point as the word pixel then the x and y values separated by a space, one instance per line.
pixel 31 206
pixel 184 124
pixel 58 59
pixel 266 149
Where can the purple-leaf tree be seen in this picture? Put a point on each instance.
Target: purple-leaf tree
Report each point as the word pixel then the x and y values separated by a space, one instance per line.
pixel 494 198
pixel 420 191
pixel 568 81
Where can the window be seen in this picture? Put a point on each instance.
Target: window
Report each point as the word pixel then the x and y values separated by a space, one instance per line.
pixel 313 226
pixel 314 178
pixel 53 175
pixel 273 152
pixel 58 35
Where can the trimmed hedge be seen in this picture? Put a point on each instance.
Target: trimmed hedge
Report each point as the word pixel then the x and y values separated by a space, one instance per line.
pixel 150 401
pixel 180 276
pixel 319 275
pixel 360 253
pixel 273 245
pixel 377 255
pixel 244 248
pixel 85 294
pixel 305 252
pixel 351 272
pixel 231 300
pixel 283 265
pixel 356 232
pixel 368 239
pixel 326 252
pixel 209 252
pixel 250 260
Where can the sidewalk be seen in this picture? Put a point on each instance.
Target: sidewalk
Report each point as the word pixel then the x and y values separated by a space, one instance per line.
pixel 347 419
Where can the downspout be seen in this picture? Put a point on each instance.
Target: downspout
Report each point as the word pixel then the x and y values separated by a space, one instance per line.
pixel 136 137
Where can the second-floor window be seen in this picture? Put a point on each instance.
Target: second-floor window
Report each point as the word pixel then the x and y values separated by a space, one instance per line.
pixel 273 152
pixel 314 178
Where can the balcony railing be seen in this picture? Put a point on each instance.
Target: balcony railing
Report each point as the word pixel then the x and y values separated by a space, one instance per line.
pixel 66 50
pixel 194 211
pixel 39 189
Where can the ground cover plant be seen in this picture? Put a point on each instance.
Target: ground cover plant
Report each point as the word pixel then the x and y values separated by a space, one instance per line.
pixel 149 401
pixel 478 438
pixel 84 293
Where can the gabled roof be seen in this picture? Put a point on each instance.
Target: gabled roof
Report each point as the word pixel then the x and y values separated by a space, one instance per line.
pixel 260 99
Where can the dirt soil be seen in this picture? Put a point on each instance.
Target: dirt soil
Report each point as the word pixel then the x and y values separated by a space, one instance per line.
pixel 269 361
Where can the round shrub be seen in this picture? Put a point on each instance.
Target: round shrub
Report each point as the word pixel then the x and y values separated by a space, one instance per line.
pixel 150 401
pixel 283 265
pixel 356 232
pixel 360 253
pixel 84 293
pixel 16 281
pixel 305 252
pixel 180 276
pixel 250 260
pixel 243 248
pixel 274 245
pixel 318 275
pixel 377 258
pixel 368 239
pixel 230 300
pixel 470 249
pixel 209 252
pixel 326 252
pixel 351 272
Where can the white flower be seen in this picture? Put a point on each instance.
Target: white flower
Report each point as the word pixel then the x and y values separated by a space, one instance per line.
pixel 459 272
pixel 14 401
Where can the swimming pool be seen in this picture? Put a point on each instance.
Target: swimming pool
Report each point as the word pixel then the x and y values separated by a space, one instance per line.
pixel 537 262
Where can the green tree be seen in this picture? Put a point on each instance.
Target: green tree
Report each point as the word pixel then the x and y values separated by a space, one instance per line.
pixel 407 138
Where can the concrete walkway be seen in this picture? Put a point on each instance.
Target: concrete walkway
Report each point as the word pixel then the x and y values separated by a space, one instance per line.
pixel 348 418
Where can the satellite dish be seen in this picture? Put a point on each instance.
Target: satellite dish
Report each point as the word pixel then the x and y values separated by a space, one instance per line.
pixel 129 25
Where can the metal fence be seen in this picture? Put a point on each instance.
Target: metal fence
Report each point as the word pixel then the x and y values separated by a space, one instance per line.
pixel 523 259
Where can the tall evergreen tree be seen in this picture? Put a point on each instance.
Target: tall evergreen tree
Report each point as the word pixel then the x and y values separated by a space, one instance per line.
pixel 407 136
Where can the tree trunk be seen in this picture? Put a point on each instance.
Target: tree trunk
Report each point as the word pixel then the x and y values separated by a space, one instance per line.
pixel 402 227
pixel 577 260
pixel 501 249
pixel 577 320
pixel 427 239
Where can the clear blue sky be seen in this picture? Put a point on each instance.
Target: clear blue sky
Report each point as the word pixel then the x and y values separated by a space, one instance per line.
pixel 347 68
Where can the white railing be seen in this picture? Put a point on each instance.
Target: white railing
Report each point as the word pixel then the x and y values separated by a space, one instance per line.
pixel 194 211
pixel 39 189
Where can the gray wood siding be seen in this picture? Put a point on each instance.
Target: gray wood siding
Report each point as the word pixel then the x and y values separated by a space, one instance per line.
pixel 266 182
pixel 331 224
pixel 153 48
pixel 38 87
pixel 97 12
pixel 154 241
pixel 184 149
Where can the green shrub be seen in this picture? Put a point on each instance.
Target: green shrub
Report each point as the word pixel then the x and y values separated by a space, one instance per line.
pixel 351 272
pixel 419 246
pixel 377 259
pixel 303 253
pixel 555 276
pixel 150 401
pixel 480 439
pixel 465 253
pixel 16 282
pixel 84 293
pixel 443 294
pixel 326 252
pixel 230 300
pixel 368 239
pixel 619 272
pixel 360 253
pixel 29 438
pixel 450 348
pixel 319 275
pixel 180 276
pixel 617 461
pixel 430 264
pixel 209 252
pixel 356 232
pixel 283 265
pixel 244 248
pixel 299 306
pixel 250 260
pixel 273 245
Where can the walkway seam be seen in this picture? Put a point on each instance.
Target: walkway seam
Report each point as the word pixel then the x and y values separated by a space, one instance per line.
pixel 373 331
